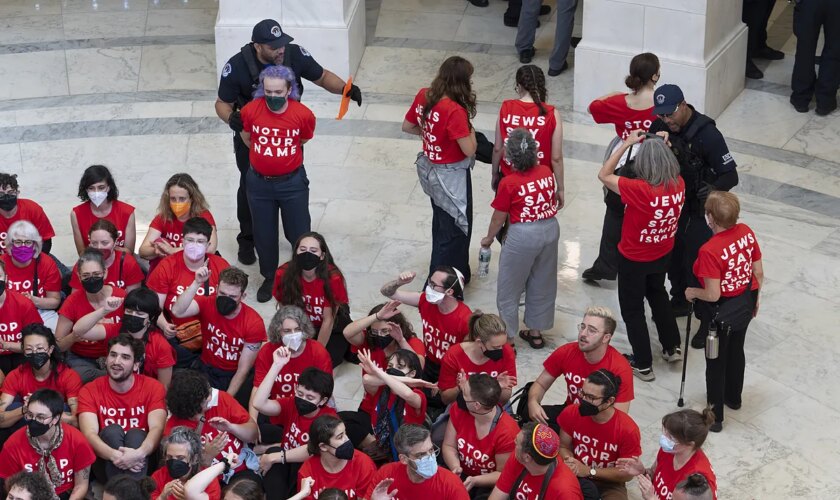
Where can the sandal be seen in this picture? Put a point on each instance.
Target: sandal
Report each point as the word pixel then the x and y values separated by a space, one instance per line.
pixel 532 340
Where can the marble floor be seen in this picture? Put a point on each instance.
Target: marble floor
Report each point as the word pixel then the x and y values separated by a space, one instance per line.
pixel 131 84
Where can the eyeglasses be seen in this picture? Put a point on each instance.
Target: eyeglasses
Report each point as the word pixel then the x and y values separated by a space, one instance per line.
pixel 669 115
pixel 381 333
pixel 36 350
pixel 434 452
pixel 588 397
pixel 436 287
pixel 193 240
pixel 38 418
pixel 23 243
pixel 85 276
pixel 589 329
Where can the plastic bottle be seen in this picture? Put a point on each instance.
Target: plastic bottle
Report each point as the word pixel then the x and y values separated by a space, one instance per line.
pixel 484 262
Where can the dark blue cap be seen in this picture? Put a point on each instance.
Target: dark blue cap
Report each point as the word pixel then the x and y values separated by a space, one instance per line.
pixel 269 32
pixel 666 99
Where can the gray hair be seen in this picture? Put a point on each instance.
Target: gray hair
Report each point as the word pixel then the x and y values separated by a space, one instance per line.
pixel 656 164
pixel 409 435
pixel 188 437
pixel 275 328
pixel 25 230
pixel 521 150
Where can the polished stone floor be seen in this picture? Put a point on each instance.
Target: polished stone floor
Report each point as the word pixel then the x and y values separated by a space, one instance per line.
pixel 131 84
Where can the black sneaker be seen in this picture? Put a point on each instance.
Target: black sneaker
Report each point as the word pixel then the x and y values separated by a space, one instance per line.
pixel 716 427
pixel 698 341
pixel 768 53
pixel 246 255
pixel 752 72
pixel 526 55
pixel 264 293
pixel 680 307
pixel 645 374
pixel 826 110
pixel 593 274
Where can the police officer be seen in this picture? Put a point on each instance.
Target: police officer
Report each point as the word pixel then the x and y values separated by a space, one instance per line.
pixel 240 77
pixel 705 164
pixel 808 17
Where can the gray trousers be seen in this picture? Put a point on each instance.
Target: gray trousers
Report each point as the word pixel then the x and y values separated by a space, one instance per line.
pixel 528 262
pixel 527 29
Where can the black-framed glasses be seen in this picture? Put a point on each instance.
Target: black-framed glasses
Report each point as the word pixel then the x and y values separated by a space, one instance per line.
pixel 588 397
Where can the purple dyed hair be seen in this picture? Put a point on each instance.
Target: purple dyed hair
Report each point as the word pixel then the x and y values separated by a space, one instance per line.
pixel 283 73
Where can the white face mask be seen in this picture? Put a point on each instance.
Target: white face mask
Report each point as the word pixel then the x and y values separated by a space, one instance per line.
pixel 97 197
pixel 293 340
pixel 433 296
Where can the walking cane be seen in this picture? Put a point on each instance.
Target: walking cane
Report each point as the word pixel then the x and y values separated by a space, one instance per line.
pixel 680 401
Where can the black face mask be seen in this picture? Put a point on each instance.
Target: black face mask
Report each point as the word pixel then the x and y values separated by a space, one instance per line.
pixel 394 372
pixel 304 407
pixel 225 305
pixel 307 260
pixel 494 354
pixel 133 324
pixel 588 409
pixel 93 284
pixel 381 342
pixel 177 468
pixel 8 202
pixel 37 360
pixel 37 428
pixel 461 402
pixel 345 451
pixel 2 287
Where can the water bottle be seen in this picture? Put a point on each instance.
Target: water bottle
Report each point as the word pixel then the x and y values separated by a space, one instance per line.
pixel 484 262
pixel 712 342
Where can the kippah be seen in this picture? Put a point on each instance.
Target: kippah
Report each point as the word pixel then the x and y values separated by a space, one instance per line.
pixel 546 442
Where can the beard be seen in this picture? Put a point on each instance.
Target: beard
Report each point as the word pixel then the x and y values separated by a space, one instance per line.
pixel 121 376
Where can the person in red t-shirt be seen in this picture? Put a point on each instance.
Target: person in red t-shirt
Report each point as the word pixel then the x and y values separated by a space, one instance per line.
pixel 84 354
pixel 534 472
pixel 13 209
pixel 181 200
pixel 479 435
pixel 232 331
pixel 123 415
pixel 123 270
pixel 529 197
pixel 654 202
pixel 182 456
pixel 98 192
pixel 275 128
pixel 49 446
pixel 280 463
pixel 312 281
pixel 574 361
pixel 444 316
pixel 44 369
pixel 30 272
pixel 728 265
pixel 440 115
pixel 627 112
pixel 486 352
pixel 16 312
pixel 595 435
pixel 680 455
pixel 334 463
pixel 416 474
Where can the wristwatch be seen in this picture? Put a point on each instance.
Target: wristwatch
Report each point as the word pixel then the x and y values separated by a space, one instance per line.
pixel 592 472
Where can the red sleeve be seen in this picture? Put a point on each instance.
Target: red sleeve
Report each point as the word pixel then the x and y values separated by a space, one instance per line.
pixel 11 384
pixel 707 265
pixel 603 111
pixel 278 283
pixel 631 439
pixel 633 192
pixel 30 313
pixel 246 113
pixel 206 215
pixel 448 370
pixel 9 459
pixel 158 478
pixel 235 413
pixel 566 418
pixel 306 470
pixel 40 220
pixel 503 195
pixel 48 274
pixel 255 328
pixel 625 391
pixel 157 223
pixel 411 114
pixel 132 274
pixel 757 251
pixel 167 353
pixel 70 382
pixel 456 488
pixel 421 412
pixel 554 363
pixel 458 124
pixel 417 346
pixel 338 288
pixel 506 432
pixel 159 279
pixel 87 403
pixel 157 394
pixel 510 356
pixel 308 129
pixel 509 475
pixel 365 471
pixel 322 359
pixel 68 308
pixel 83 452
pixel 383 473
pixel 263 363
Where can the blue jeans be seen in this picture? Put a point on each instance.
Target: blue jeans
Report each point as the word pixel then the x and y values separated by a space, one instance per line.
pixel 265 197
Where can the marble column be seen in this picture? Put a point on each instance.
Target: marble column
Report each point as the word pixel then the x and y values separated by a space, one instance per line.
pixel 701 45
pixel 333 31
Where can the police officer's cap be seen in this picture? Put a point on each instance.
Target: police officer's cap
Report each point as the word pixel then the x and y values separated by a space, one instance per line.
pixel 269 32
pixel 666 99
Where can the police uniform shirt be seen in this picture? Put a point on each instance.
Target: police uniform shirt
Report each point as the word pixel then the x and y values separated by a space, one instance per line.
pixel 236 83
pixel 709 140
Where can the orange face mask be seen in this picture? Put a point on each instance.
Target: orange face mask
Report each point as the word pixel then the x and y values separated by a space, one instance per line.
pixel 179 209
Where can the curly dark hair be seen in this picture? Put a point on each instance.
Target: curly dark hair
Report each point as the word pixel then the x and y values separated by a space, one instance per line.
pixel 452 81
pixel 36 483
pixel 532 80
pixel 9 180
pixel 187 393
pixel 290 287
pixel 94 174
pixel 399 319
pixel 125 487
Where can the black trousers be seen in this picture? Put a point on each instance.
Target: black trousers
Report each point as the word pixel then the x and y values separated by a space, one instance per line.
pixel 114 436
pixel 809 16
pixel 280 481
pixel 638 281
pixel 607 261
pixel 692 232
pixel 245 238
pixel 756 15
pixel 220 379
pixel 357 425
pixel 725 374
pixel 450 246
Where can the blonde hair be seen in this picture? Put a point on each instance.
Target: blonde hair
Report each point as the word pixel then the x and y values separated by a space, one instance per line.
pixel 604 313
pixel 724 208
pixel 483 327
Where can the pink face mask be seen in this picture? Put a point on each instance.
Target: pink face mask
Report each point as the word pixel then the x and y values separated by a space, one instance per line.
pixel 23 253
pixel 195 251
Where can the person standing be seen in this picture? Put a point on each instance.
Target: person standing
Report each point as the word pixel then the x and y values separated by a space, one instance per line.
pixel 756 15
pixel 240 77
pixel 526 34
pixel 809 16
pixel 440 115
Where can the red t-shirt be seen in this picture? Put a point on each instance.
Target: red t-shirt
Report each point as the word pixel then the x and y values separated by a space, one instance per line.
pixel 172 231
pixel 447 122
pixel 161 478
pixel 600 445
pixel 277 139
pixel 456 360
pixel 666 479
pixel 72 455
pixel 444 485
pixel 31 211
pixel 520 114
pixel 226 407
pixel 409 416
pixel 567 361
pixel 21 382
pixel 16 312
pixel 129 410
pixel 562 485
pixel 478 456
pixel 224 338
pixel 353 479
pixel 76 306
pixel 440 331
pixel 22 279
pixel 728 256
pixel 131 273
pixel 614 110
pixel 527 196
pixel 295 425
pixel 650 219
pixel 313 294
pixel 159 352
pixel 314 354
pixel 119 216
pixel 377 356
pixel 172 276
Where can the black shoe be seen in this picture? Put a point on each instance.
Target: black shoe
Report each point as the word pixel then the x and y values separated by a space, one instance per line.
pixel 769 54
pixel 716 427
pixel 752 71
pixel 545 10
pixel 575 41
pixel 480 3
pixel 264 293
pixel 526 55
pixel 680 307
pixel 246 255
pixel 823 111
pixel 734 406
pixel 802 108
pixel 555 72
pixel 698 341
pixel 593 274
